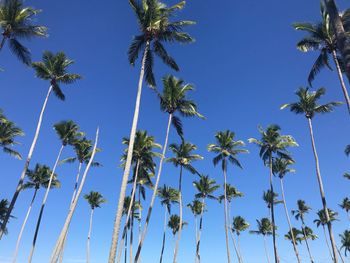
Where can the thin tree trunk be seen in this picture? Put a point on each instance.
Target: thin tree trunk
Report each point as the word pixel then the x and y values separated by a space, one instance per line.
pixel 23 226
pixel 235 246
pixel 88 238
pixel 340 255
pixel 59 244
pixel 140 217
pixel 149 212
pixel 266 251
pixel 306 242
pixel 126 247
pixel 180 214
pixel 273 215
pixel 323 197
pixel 239 248
pixel 326 238
pixel 26 165
pixel 196 236
pixel 43 204
pixel 341 79
pixel 164 235
pixel 119 212
pixel 200 233
pixel 289 222
pixel 122 242
pixel 225 221
pixel 131 238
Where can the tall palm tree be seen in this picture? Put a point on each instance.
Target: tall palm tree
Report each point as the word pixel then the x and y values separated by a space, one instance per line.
pixel 4 206
pixel 346 206
pixel 53 68
pixel 280 167
pixel 239 225
pixel 173 101
pixel 183 158
pixel 95 199
pixel 205 189
pixel 309 106
pixel 265 229
pixel 37 178
pixel 345 241
pixel 154 20
pixel 67 132
pixel 273 144
pixel 300 213
pixel 321 38
pixel 16 22
pixel 168 196
pixel 227 150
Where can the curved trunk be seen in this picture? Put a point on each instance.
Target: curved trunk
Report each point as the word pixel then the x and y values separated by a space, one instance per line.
pixel 116 228
pixel 200 233
pixel 149 212
pixel 43 205
pixel 59 244
pixel 289 223
pixel 225 221
pixel 88 238
pixel 26 165
pixel 164 234
pixel 180 215
pixel 266 251
pixel 23 226
pixel 323 197
pixel 273 215
pixel 306 242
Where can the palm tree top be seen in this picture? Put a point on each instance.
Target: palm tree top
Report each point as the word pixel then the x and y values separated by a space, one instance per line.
pixel 345 204
pixel 231 192
pixel 297 235
pixel 168 196
pixel 239 224
pixel 4 205
pixel 68 132
pixel 345 241
pixel 309 233
pixel 270 197
pixel 95 199
pixel 322 219
pixel 303 209
pixel 264 227
pixel 174 224
pixel 40 177
pixel 205 187
pixel 196 207
pixel 280 167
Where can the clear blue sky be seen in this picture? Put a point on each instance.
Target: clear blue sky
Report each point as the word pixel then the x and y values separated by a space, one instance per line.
pixel 244 65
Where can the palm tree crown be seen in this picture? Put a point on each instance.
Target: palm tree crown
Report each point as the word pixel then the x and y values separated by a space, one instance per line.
pixel 322 220
pixel 40 177
pixel 196 207
pixel 205 187
pixel 264 227
pixel 280 167
pixel 345 241
pixel 239 225
pixel 95 199
pixel 301 211
pixel 345 204
pixel 174 224
pixel 168 196
pixel 309 234
pixel 231 192
pixel 296 235
pixel 270 198
pixel 68 132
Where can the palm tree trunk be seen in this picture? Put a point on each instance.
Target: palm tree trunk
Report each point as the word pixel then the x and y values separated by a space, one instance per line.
pixel 122 242
pixel 149 212
pixel 239 248
pixel 180 214
pixel 289 222
pixel 277 260
pixel 59 244
pixel 23 226
pixel 200 233
pixel 43 204
pixel 235 246
pixel 140 217
pixel 26 165
pixel 225 215
pixel 266 251
pixel 88 238
pixel 164 234
pixel 126 246
pixel 116 228
pixel 326 238
pixel 323 197
pixel 306 242
pixel 131 238
pixel 341 79
pixel 340 255
pixel 196 236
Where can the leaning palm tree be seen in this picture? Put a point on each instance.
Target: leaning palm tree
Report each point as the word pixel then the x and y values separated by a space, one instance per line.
pixel 54 69
pixel 173 101
pixel 309 106
pixel 205 188
pixel 37 178
pixel 239 225
pixel 183 158
pixel 16 22
pixel 273 144
pixel 227 150
pixel 321 38
pixel 345 241
pixel 95 199
pixel 168 196
pixel 345 205
pixel 154 20
pixel 265 229
pixel 300 213
pixel 280 167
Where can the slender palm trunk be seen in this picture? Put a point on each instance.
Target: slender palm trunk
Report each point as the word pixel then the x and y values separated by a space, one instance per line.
pixel 200 233
pixel 196 236
pixel 43 204
pixel 149 212
pixel 126 246
pixel 323 197
pixel 289 222
pixel 122 242
pixel 341 79
pixel 235 246
pixel 59 244
pixel 23 226
pixel 131 237
pixel 340 255
pixel 88 238
pixel 164 234
pixel 277 260
pixel 266 251
pixel 180 214
pixel 119 212
pixel 225 215
pixel 239 247
pixel 26 165
pixel 140 216
pixel 327 243
pixel 306 242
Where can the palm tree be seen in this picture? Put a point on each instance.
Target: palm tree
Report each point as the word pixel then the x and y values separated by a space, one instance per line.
pixel 308 234
pixel 183 158
pixel 345 241
pixel 16 22
pixel 95 199
pixel 300 213
pixel 197 207
pixel 53 68
pixel 174 225
pixel 272 144
pixel 347 176
pixel 270 198
pixel 205 189
pixel 280 167
pixel 321 38
pixel 156 28
pixel 173 100
pixel 168 196
pixel 8 132
pixel 309 106
pixel 36 179
pixel 4 206
pixel 265 229
pixel 227 150
pixel 294 235
pixel 346 206
pixel 239 225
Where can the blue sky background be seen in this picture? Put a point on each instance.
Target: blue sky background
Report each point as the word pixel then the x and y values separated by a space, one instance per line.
pixel 244 65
